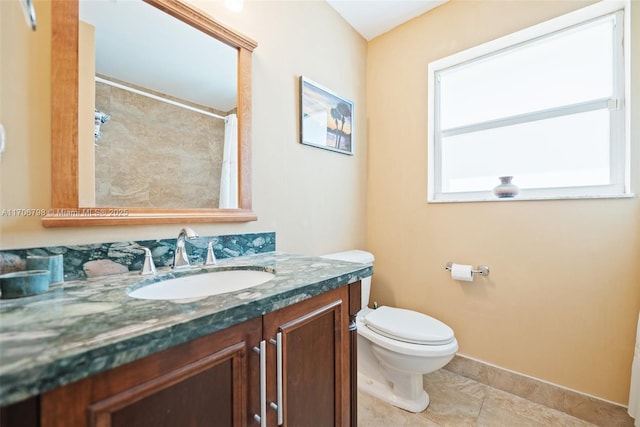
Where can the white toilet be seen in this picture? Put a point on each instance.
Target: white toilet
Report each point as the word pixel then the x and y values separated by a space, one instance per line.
pixel 396 347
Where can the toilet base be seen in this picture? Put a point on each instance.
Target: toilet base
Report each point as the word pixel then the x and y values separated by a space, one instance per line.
pixel 385 393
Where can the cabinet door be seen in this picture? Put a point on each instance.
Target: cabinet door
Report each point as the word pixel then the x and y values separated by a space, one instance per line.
pixel 211 381
pixel 314 339
pixel 21 414
pixel 355 304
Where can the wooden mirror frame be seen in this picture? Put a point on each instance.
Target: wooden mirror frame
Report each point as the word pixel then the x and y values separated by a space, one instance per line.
pixel 65 209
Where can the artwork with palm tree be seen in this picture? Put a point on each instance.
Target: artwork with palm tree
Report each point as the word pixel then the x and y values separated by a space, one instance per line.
pixel 326 118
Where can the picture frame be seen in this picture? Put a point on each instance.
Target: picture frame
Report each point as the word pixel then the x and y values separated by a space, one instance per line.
pixel 326 119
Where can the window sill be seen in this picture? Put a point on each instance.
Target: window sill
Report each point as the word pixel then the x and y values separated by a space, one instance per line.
pixel 535 198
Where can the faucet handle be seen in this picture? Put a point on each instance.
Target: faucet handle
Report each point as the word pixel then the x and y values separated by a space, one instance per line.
pixel 211 258
pixel 149 267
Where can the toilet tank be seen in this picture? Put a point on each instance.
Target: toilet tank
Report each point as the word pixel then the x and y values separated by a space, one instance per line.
pixel 362 257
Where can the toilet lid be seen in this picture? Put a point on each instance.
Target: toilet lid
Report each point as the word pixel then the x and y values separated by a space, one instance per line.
pixel 408 326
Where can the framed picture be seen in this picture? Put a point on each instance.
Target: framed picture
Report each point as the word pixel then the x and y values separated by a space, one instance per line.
pixel 326 119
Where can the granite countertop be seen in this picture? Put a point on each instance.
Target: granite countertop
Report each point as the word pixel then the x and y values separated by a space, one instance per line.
pixel 83 327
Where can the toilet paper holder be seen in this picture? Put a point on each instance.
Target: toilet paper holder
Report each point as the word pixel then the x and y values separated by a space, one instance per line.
pixel 482 270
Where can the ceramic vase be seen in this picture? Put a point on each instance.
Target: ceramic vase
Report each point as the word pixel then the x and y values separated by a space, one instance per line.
pixel 506 189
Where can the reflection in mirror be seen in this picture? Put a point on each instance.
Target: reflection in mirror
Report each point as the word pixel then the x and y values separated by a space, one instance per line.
pixel 73 159
pixel 163 112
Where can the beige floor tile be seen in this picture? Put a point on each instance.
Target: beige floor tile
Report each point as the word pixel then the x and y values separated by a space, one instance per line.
pixel 577 406
pixel 373 412
pixel 577 422
pixel 528 388
pixel 502 409
pixel 596 411
pixel 448 383
pixel 470 369
pixel 457 401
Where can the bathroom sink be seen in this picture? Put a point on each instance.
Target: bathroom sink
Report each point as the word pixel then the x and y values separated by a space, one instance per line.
pixel 202 284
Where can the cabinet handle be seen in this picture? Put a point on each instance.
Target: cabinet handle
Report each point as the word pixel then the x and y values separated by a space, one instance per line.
pixel 279 377
pixel 262 418
pixel 278 407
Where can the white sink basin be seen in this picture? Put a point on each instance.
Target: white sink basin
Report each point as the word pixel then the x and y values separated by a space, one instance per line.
pixel 202 284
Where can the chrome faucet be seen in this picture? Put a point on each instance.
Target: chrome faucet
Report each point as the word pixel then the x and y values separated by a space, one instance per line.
pixel 149 267
pixel 180 259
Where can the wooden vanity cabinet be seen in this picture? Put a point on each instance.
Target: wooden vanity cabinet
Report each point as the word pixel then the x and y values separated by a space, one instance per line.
pixel 208 381
pixel 215 380
pixel 313 337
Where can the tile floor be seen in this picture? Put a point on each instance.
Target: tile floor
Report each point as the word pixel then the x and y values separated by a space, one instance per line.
pixel 459 401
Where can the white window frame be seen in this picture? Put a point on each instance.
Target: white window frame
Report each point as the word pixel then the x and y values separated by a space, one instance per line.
pixel 618 107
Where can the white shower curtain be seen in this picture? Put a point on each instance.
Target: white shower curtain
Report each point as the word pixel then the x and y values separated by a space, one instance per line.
pixel 634 392
pixel 229 175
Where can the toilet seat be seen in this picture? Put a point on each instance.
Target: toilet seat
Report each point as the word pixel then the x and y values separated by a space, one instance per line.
pixel 408 326
pixel 402 347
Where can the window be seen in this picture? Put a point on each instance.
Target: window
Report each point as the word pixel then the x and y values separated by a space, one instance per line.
pixel 545 105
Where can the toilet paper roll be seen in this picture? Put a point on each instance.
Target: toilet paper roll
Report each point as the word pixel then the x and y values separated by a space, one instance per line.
pixel 461 272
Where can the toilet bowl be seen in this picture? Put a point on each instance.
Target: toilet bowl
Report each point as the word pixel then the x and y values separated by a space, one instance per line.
pixel 396 347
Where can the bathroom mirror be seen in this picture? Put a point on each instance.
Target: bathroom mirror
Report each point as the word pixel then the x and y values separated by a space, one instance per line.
pixel 69 206
pixel 162 97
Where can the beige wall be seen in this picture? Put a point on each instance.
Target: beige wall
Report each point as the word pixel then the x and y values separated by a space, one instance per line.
pixel 313 199
pixel 562 300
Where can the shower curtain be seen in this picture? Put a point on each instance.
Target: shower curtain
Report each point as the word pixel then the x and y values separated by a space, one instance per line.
pixel 229 175
pixel 634 392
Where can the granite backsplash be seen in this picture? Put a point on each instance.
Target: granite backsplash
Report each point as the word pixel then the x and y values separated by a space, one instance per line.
pixel 100 259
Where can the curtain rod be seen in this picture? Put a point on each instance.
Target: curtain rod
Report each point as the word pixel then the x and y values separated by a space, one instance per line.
pixel 158 98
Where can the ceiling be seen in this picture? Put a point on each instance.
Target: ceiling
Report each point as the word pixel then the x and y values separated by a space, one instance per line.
pixel 153 55
pixel 371 18
pixel 139 44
